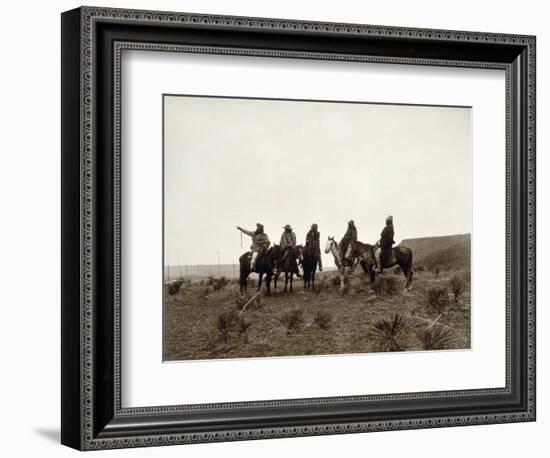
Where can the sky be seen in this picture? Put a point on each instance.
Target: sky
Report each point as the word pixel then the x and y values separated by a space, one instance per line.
pixel 230 162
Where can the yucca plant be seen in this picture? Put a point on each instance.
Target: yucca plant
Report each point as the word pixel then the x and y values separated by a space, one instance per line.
pixel 225 323
pixel 457 286
pixel 242 326
pixel 438 299
pixel 388 334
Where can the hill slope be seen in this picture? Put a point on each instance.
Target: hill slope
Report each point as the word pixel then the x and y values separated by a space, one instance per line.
pixel 450 251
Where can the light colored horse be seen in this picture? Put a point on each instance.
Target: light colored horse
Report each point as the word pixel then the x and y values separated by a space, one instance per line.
pixel 332 247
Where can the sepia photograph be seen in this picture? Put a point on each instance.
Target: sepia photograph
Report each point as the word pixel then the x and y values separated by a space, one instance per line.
pixel 314 227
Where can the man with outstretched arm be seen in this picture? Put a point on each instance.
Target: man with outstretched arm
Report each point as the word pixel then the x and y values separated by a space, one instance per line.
pixel 260 242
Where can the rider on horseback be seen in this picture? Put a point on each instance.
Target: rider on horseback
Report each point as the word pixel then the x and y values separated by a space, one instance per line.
pixel 386 242
pixel 288 242
pixel 346 244
pixel 312 240
pixel 260 242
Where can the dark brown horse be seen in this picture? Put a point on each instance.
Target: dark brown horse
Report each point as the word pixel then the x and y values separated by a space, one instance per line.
pixel 294 256
pixel 400 255
pixel 267 263
pixel 310 263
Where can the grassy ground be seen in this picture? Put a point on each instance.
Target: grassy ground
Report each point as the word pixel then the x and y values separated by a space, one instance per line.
pixel 202 321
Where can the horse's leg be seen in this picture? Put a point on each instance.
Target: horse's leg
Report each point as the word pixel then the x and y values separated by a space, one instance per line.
pixel 243 279
pixel 408 275
pixel 291 280
pixel 372 274
pixel 260 276
pixel 312 286
pixel 268 283
pixel 286 282
pixel 406 267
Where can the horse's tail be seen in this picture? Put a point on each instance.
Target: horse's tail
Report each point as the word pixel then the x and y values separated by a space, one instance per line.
pixel 244 270
pixel 408 267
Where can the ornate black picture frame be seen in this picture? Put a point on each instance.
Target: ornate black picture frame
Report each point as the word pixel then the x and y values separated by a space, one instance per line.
pixel 92 42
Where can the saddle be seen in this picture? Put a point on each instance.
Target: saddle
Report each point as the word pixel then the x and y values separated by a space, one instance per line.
pixel 387 257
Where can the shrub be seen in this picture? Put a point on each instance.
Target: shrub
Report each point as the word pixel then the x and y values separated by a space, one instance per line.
pixel 241 301
pixel 438 299
pixel 242 328
pixel 388 334
pixel 397 270
pixel 292 320
pixel 229 322
pixel 335 281
pixel 385 285
pixel 457 286
pixel 437 338
pixel 225 323
pixel 174 287
pixel 436 271
pixel 323 319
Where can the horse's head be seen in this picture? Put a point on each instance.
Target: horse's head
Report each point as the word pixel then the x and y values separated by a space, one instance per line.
pixel 367 253
pixel 330 242
pixel 300 253
pixel 274 257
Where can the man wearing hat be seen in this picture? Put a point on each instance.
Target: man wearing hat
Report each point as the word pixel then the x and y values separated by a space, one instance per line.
pixel 386 242
pixel 288 241
pixel 312 240
pixel 346 244
pixel 260 241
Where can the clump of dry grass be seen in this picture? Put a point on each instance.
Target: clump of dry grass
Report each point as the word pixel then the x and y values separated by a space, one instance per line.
pixel 437 338
pixel 385 285
pixel 323 319
pixel 389 334
pixel 293 320
pixel 438 299
pixel 457 286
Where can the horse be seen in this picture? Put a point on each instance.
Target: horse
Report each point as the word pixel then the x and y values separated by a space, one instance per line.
pixel 360 253
pixel 310 262
pixel 267 263
pixel 289 266
pixel 400 255
pixel 332 247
